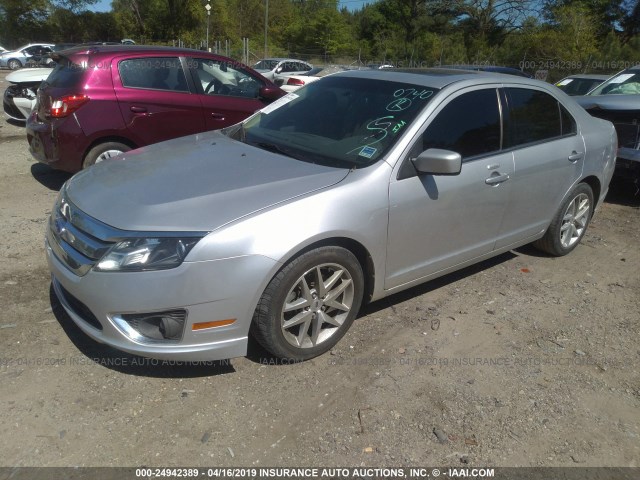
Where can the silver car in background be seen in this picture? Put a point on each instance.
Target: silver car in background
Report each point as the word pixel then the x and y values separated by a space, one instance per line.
pixel 283 225
pixel 15 59
pixel 272 67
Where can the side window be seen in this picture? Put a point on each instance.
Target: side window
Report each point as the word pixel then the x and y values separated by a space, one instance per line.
pixel 568 123
pixel 158 73
pixel 217 77
pixel 288 67
pixel 534 116
pixel 468 125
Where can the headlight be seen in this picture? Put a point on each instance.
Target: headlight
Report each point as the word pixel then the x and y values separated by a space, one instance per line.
pixel 140 254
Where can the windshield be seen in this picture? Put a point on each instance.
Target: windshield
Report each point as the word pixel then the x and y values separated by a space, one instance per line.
pixel 624 83
pixel 340 121
pixel 266 65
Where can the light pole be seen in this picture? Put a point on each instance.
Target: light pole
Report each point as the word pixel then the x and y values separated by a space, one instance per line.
pixel 208 9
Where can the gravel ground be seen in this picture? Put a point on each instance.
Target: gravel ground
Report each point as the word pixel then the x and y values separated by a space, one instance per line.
pixel 524 360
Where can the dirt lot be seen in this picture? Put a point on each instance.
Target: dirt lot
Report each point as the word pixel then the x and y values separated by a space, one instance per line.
pixel 522 360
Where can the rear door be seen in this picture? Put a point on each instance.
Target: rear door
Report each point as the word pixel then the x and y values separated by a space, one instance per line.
pixel 548 156
pixel 227 91
pixel 155 99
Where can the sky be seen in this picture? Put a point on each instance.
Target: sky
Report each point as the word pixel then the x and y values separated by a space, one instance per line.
pixel 105 5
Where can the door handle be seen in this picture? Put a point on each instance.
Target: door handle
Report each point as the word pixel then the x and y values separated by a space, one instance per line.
pixel 136 109
pixel 575 156
pixel 217 116
pixel 497 179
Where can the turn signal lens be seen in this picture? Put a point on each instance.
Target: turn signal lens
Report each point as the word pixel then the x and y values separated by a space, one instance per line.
pixel 214 324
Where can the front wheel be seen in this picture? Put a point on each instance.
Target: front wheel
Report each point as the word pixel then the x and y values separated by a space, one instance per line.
pixel 104 151
pixel 310 304
pixel 570 223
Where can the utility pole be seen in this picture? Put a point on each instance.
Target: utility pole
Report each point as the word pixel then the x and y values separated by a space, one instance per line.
pixel 208 9
pixel 266 23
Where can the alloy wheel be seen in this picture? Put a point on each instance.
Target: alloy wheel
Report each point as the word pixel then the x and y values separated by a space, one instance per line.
pixel 575 220
pixel 317 305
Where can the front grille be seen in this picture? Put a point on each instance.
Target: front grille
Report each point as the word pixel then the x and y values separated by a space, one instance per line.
pixel 625 122
pixel 79 308
pixel 76 239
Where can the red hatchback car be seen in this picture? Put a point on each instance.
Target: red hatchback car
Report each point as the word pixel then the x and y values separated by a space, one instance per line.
pixel 100 101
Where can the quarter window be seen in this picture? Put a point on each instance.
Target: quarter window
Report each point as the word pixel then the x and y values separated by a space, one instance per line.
pixel 158 73
pixel 569 126
pixel 468 125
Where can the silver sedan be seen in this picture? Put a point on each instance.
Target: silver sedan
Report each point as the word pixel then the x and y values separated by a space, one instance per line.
pixel 347 191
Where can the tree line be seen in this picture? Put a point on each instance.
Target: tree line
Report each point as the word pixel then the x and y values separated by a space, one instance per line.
pixel 559 36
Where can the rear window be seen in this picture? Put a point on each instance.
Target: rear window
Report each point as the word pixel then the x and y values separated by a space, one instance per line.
pixel 158 73
pixel 65 74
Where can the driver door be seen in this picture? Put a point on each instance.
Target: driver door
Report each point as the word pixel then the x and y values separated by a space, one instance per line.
pixel 439 221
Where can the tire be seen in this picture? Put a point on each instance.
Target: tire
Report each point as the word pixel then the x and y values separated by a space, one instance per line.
pixel 316 318
pixel 569 224
pixel 14 64
pixel 103 151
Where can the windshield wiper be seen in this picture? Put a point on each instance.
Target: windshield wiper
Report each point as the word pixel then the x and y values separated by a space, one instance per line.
pixel 272 147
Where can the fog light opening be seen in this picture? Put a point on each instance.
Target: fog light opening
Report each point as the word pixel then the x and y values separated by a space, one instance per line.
pixel 155 326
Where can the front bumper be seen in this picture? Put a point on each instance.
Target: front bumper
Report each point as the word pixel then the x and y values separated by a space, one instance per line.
pixel 14 105
pixel 208 291
pixel 628 163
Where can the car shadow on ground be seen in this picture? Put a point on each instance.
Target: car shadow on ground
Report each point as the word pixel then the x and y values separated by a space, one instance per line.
pixel 435 284
pixel 16 123
pixel 624 192
pixel 126 363
pixel 47 176
pixel 258 354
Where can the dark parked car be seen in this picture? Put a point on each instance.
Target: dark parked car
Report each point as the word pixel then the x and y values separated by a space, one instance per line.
pixel 580 84
pixel 100 101
pixel 618 100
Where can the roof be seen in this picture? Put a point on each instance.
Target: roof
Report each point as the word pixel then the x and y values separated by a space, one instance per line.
pixel 439 77
pixel 109 50
pixel 588 76
pixel 281 59
pixel 100 48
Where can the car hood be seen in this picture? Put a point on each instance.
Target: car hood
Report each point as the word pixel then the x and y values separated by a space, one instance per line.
pixel 609 102
pixel 194 183
pixel 29 75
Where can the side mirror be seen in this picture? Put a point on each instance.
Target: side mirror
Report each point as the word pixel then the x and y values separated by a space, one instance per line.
pixel 436 161
pixel 279 70
pixel 270 93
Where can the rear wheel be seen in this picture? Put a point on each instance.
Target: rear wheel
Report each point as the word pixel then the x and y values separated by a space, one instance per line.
pixel 310 304
pixel 570 223
pixel 104 151
pixel 14 64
